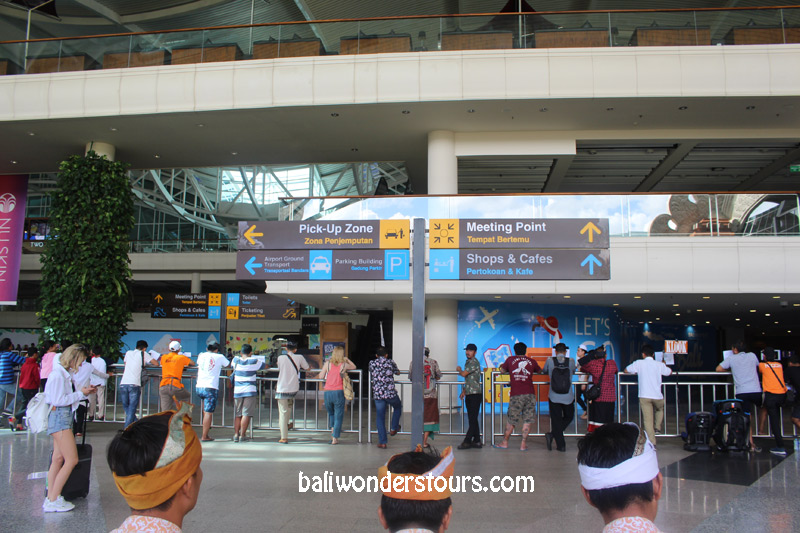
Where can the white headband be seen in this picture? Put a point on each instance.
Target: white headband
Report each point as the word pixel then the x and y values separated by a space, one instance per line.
pixel 638 469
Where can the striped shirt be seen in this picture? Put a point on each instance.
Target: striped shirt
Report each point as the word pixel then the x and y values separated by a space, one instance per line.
pixel 7 362
pixel 244 383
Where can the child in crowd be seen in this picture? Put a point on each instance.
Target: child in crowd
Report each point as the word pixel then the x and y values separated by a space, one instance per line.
pixel 29 382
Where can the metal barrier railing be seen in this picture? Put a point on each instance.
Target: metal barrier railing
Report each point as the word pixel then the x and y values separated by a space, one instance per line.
pixel 452 409
pixel 308 402
pixel 684 393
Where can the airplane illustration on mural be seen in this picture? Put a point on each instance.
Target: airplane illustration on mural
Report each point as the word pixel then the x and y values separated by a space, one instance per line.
pixel 487 316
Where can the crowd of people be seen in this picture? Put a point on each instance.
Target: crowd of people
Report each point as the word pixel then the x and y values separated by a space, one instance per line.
pixel 160 479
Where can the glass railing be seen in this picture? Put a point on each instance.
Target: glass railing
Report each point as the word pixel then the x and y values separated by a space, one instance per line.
pixel 397 35
pixel 634 215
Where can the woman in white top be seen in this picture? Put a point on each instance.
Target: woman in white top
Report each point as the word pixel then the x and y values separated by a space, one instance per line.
pixel 63 402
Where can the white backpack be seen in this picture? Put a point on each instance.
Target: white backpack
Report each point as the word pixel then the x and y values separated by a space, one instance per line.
pixel 37 413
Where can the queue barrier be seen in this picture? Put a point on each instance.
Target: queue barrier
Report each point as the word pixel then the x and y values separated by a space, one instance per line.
pixel 306 413
pixel 684 393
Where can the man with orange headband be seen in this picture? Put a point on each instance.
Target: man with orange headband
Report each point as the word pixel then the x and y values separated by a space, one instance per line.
pixel 156 467
pixel 416 492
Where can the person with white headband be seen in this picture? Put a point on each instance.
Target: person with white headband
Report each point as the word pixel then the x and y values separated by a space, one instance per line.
pixel 620 477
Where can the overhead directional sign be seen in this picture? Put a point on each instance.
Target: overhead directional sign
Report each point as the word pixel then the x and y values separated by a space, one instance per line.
pixel 520 233
pixel 323 265
pixel 527 264
pixel 187 305
pixel 325 235
pixel 244 306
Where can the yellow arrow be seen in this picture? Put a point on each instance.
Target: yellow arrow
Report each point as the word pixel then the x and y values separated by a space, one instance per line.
pixel 590 227
pixel 158 298
pixel 250 233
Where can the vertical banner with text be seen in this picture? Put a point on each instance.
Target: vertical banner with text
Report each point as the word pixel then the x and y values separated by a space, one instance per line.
pixel 13 200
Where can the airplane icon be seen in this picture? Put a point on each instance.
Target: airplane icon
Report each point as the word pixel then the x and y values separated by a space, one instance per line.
pixel 487 316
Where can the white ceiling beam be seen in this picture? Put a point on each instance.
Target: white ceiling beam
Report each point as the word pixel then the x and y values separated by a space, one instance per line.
pixel 249 187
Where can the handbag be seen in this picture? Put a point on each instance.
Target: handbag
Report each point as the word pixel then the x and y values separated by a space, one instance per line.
pixel 347 384
pixel 593 392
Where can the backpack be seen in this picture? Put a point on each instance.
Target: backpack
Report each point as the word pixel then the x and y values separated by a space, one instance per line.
pixel 733 426
pixel 561 377
pixel 37 413
pixel 699 427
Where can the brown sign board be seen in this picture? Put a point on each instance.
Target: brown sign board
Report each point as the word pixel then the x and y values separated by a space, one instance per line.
pixel 519 233
pixel 324 235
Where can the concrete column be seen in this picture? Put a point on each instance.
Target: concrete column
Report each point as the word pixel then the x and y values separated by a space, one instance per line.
pixel 441 336
pixel 442 163
pixel 197 283
pixel 401 343
pixel 101 148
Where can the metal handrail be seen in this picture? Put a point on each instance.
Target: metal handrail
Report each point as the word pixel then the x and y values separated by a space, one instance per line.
pixel 406 17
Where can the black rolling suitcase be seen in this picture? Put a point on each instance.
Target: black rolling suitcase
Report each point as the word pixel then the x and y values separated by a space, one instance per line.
pixel 77 485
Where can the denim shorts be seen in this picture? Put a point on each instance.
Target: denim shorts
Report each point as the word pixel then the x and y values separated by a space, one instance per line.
pixel 59 420
pixel 209 397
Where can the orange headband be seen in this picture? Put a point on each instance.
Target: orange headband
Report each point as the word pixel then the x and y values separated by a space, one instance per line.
pixel 151 489
pixel 431 486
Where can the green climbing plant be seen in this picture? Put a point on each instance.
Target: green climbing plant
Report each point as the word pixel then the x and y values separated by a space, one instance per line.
pixel 85 267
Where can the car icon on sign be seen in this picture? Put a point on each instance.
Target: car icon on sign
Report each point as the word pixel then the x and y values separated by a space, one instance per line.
pixel 320 264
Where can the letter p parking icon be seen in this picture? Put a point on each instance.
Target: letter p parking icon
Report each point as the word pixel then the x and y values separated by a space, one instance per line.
pixel 395 264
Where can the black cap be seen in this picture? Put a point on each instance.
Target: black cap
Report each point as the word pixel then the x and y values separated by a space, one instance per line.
pixel 472 347
pixel 291 345
pixel 561 347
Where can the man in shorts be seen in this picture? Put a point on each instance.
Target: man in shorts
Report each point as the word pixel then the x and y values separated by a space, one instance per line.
pixel 171 388
pixel 744 367
pixel 522 405
pixel 209 365
pixel 244 391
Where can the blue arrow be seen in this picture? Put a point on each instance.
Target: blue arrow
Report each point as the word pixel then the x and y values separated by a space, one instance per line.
pixel 592 260
pixel 251 265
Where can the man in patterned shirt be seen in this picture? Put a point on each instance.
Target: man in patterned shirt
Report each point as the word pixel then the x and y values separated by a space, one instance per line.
pixel 382 371
pixel 472 393
pixel 619 474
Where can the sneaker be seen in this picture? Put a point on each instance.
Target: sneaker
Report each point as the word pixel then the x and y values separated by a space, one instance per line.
pixel 778 451
pixel 59 506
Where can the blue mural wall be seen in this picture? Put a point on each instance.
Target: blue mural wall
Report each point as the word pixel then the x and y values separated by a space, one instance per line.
pixel 495 327
pixel 192 342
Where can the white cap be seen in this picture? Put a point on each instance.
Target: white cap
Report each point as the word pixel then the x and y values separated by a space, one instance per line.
pixel 583 347
pixel 174 346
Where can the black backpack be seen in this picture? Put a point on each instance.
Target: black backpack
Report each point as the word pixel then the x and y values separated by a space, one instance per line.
pixel 699 427
pixel 732 427
pixel 561 377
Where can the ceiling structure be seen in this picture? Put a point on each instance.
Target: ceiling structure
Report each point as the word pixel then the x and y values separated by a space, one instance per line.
pixel 395 136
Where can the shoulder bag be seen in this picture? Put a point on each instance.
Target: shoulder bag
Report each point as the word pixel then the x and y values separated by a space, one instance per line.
pixel 347 385
pixel 593 392
pixel 790 394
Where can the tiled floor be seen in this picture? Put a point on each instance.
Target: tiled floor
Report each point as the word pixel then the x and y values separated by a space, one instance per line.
pixel 253 486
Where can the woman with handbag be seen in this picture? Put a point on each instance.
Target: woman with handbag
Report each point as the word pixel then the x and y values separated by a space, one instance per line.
pixel 63 401
pixel 334 371
pixel 603 392
pixel 774 396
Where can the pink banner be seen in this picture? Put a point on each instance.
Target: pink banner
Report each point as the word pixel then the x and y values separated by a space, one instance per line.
pixel 13 200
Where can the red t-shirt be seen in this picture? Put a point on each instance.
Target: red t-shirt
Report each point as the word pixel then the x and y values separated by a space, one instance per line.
pixel 521 369
pixel 29 377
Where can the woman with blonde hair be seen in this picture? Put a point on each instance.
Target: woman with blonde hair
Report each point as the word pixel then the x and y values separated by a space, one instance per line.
pixel 332 372
pixel 63 401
